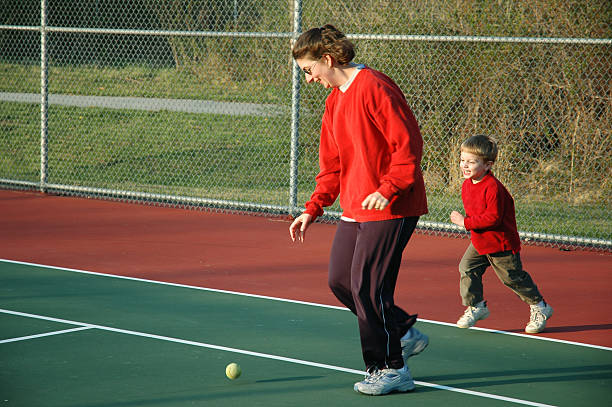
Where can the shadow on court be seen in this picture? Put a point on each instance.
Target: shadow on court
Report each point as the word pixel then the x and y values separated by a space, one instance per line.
pixel 289 379
pixel 573 328
pixel 573 374
pixel 234 396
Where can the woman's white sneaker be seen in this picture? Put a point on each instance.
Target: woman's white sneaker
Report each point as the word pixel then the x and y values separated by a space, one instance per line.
pixel 386 381
pixel 413 343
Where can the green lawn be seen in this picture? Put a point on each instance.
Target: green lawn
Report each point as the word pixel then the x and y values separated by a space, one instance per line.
pixel 139 81
pixel 237 158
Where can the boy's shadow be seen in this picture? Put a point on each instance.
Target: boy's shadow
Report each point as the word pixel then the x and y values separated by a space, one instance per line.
pixel 544 375
pixel 574 328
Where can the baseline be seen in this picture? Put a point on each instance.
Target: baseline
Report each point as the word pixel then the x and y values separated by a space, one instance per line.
pixel 84 325
pixel 541 338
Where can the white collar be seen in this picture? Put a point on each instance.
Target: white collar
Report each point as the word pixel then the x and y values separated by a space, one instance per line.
pixel 345 87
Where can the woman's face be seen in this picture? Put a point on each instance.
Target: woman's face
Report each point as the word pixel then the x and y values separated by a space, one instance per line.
pixel 318 70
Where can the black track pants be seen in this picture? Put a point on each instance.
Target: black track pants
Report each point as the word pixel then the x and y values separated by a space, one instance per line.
pixel 363 270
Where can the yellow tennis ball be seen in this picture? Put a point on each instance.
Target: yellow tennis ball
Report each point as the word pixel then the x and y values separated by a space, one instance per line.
pixel 233 371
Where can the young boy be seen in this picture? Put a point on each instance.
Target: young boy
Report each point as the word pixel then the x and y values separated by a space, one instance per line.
pixel 489 216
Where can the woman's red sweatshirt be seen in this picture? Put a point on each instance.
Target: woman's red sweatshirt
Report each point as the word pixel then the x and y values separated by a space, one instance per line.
pixel 370 141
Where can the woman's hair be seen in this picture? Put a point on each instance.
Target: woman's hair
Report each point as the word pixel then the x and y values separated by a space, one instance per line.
pixel 317 42
pixel 482 146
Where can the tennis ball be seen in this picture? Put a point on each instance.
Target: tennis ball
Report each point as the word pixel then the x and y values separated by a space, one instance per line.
pixel 233 371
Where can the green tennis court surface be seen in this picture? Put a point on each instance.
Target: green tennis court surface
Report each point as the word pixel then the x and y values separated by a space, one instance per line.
pixel 88 340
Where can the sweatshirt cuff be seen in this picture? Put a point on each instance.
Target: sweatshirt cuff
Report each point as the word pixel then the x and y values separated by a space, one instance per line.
pixel 387 190
pixel 467 223
pixel 313 210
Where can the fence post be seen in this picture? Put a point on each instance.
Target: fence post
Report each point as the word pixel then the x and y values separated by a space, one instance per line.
pixel 295 112
pixel 44 97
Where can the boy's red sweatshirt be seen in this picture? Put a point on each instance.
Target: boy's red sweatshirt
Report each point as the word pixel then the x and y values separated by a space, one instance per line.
pixel 370 141
pixel 489 216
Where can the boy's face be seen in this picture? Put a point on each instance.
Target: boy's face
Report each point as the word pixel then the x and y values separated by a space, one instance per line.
pixel 474 167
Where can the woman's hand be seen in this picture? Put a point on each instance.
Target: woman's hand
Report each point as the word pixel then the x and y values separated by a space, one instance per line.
pixel 297 230
pixel 375 201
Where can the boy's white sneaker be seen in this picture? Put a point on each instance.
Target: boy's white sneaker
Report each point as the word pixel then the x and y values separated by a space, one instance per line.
pixel 473 314
pixel 539 316
pixel 386 381
pixel 413 343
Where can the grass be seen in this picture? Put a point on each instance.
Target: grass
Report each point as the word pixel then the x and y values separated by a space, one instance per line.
pixel 139 81
pixel 552 217
pixel 548 104
pixel 114 148
pixel 237 158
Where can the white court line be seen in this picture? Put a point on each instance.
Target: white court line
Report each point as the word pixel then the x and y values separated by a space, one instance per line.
pixel 541 338
pixel 267 356
pixel 25 338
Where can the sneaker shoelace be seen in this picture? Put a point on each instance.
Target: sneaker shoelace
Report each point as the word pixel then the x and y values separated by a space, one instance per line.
pixel 374 376
pixel 469 312
pixel 537 315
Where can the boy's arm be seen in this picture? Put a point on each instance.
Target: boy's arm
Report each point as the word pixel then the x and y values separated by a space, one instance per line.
pixel 492 215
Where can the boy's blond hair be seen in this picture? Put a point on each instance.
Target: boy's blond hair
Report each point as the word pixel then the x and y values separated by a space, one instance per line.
pixel 482 146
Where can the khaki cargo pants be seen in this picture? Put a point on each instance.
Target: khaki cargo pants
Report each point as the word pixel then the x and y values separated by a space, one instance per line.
pixel 507 266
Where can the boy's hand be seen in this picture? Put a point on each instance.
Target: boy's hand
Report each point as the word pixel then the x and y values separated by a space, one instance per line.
pixel 457 218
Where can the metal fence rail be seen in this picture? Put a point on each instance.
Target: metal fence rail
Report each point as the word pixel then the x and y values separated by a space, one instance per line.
pixel 197 103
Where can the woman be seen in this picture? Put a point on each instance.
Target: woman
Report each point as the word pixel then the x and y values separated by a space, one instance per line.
pixel 369 155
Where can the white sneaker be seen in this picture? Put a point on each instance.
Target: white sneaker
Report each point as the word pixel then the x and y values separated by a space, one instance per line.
pixel 539 316
pixel 413 343
pixel 385 381
pixel 472 315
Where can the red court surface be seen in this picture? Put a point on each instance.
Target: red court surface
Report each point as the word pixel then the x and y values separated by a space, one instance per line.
pixel 254 254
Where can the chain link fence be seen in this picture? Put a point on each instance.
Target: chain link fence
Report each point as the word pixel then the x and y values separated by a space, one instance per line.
pixel 197 103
